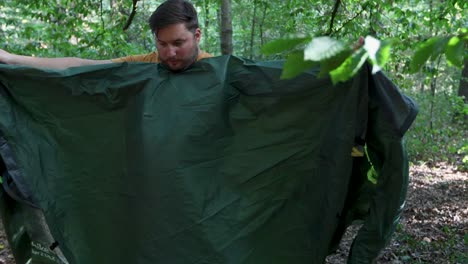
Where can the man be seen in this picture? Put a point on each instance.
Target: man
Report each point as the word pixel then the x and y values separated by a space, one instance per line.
pixel 174 25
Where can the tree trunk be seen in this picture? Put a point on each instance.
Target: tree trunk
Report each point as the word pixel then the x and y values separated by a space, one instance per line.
pixel 252 29
pixel 463 88
pixel 226 27
pixel 207 22
pixel 262 39
pixel 111 5
pixel 434 75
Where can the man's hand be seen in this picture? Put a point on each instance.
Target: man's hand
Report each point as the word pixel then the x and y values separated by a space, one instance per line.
pixel 359 43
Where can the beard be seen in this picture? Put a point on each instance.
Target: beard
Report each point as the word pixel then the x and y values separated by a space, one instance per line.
pixel 183 63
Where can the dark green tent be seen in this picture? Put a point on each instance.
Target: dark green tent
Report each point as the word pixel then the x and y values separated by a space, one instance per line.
pixel 223 163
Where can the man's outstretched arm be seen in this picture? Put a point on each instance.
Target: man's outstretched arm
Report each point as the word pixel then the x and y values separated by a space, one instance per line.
pixel 51 63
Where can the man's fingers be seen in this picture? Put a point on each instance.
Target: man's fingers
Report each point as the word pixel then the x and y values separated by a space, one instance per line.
pixel 359 43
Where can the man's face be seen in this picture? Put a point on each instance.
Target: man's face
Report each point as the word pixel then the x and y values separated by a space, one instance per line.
pixel 177 46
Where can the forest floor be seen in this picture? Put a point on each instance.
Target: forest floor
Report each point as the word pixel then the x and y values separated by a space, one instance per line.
pixel 433 227
pixel 434 224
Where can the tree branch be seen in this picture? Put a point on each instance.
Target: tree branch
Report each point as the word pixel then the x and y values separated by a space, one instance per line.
pixel 335 10
pixel 364 6
pixel 132 15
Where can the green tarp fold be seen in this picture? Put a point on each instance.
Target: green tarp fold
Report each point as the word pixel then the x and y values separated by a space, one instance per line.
pixel 223 163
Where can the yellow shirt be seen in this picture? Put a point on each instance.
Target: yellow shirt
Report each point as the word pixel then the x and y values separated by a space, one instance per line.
pixel 154 57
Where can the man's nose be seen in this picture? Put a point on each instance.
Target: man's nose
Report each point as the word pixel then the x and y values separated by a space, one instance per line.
pixel 171 50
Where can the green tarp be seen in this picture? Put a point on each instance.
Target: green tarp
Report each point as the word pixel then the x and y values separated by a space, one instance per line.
pixel 223 163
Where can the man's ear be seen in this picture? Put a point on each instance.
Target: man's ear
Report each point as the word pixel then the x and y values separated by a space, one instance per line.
pixel 197 34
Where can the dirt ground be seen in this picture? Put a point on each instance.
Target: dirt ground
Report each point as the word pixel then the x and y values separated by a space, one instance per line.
pixel 433 228
pixel 434 224
pixel 5 254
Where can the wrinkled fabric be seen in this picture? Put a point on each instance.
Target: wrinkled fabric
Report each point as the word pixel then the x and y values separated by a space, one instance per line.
pixel 223 163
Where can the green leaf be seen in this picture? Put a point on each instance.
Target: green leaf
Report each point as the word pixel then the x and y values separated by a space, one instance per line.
pixel 372 46
pixel 322 48
pixel 454 51
pixel 332 63
pixel 295 65
pixel 431 48
pixel 383 55
pixel 378 51
pixel 280 45
pixel 372 175
pixel 421 55
pixel 439 47
pixel 349 67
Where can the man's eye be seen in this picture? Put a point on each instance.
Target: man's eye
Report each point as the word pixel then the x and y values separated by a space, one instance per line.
pixel 178 43
pixel 162 44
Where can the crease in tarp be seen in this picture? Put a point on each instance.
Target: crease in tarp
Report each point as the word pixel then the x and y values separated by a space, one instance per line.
pixel 13 181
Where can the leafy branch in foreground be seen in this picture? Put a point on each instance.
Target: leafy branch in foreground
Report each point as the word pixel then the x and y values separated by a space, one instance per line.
pixel 341 62
pixel 452 46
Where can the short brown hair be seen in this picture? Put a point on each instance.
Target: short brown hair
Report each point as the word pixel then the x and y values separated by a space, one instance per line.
pixel 174 12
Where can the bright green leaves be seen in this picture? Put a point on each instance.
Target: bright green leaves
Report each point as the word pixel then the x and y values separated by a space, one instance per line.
pixel 295 65
pixel 372 46
pixel 452 46
pixel 431 48
pixel 334 57
pixel 454 51
pixel 372 175
pixel 280 45
pixel 322 48
pixel 327 65
pixel 378 51
pixel 341 62
pixel 384 52
pixel 329 54
pixel 349 67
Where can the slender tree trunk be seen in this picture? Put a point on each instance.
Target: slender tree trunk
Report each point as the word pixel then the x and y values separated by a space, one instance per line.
pixel 111 8
pixel 101 10
pixel 252 29
pixel 207 22
pixel 433 84
pixel 433 90
pixel 421 74
pixel 435 74
pixel 226 27
pixel 265 6
pixel 463 88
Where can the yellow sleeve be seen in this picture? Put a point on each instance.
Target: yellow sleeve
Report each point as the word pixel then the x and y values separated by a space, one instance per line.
pixel 203 55
pixel 153 57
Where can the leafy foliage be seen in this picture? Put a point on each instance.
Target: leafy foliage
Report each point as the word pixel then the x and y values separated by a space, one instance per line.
pixel 281 45
pixel 451 46
pixel 295 65
pixel 440 137
pixel 67 28
pixel 454 51
pixel 349 67
pixel 321 49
